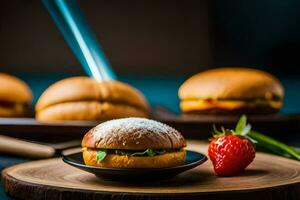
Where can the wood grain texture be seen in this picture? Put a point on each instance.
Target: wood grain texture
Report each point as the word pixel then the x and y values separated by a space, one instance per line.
pixel 268 177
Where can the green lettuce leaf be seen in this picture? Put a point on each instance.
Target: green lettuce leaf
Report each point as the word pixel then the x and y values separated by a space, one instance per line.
pixel 147 152
pixel 100 155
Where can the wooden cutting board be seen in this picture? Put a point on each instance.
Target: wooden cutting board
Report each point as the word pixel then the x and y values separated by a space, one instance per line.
pixel 268 177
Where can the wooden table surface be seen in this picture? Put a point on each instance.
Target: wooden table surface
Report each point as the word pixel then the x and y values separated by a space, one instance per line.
pixel 268 177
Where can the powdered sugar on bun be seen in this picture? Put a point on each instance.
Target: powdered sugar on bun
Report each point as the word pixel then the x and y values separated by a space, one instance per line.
pixel 133 134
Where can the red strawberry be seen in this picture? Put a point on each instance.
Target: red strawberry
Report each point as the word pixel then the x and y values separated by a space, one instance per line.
pixel 230 154
pixel 231 151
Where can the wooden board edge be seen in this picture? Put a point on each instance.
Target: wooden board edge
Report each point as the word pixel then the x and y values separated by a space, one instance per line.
pixel 24 190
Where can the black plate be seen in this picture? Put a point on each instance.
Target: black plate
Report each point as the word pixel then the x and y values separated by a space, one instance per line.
pixel 192 160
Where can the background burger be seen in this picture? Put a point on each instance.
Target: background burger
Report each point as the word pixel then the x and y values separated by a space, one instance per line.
pixel 15 97
pixel 231 91
pixel 83 98
pixel 133 143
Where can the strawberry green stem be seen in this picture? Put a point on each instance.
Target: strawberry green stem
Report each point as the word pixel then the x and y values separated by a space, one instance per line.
pixel 297 149
pixel 268 143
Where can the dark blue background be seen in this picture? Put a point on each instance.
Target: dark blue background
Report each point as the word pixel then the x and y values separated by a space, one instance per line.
pixel 258 33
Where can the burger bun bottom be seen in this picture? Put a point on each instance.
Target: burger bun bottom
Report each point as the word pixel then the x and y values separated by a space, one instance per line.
pixel 121 161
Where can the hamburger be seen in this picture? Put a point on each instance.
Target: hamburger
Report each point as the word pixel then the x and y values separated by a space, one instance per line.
pixel 133 143
pixel 231 91
pixel 83 98
pixel 15 97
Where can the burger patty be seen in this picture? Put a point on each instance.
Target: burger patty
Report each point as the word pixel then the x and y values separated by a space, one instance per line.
pixel 13 105
pixel 240 106
pixel 237 111
pixel 7 104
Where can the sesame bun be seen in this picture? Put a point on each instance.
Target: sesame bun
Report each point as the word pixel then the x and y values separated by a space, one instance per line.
pixel 15 96
pixel 234 90
pixel 134 134
pixel 83 98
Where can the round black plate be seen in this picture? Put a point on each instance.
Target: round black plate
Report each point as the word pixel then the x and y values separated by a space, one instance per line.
pixel 192 160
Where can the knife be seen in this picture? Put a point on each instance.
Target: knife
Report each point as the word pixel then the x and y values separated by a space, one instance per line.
pixel 30 149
